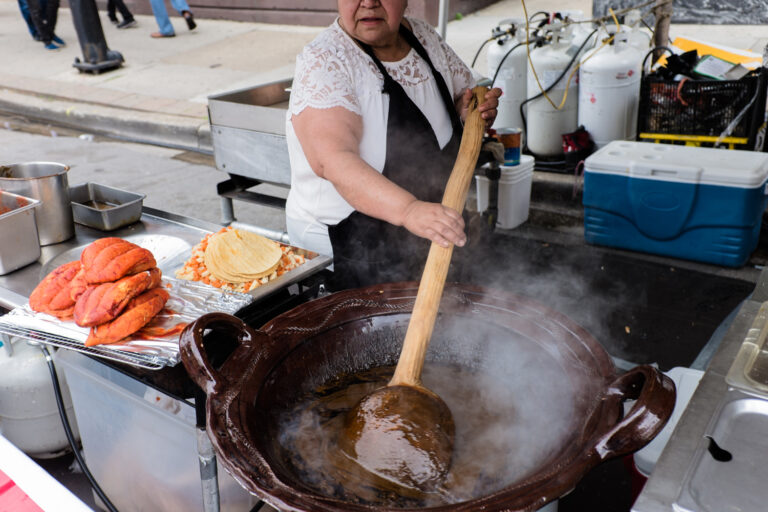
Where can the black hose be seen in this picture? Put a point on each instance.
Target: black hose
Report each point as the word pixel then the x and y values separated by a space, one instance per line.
pixel 68 431
pixel 570 63
pixel 501 63
pixel 481 49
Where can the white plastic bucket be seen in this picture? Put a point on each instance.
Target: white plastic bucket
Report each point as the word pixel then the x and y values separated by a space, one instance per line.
pixel 515 193
pixel 514 198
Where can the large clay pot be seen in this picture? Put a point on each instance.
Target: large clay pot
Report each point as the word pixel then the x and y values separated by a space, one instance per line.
pixel 356 330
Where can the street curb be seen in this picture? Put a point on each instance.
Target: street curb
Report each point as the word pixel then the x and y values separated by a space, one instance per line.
pixel 189 133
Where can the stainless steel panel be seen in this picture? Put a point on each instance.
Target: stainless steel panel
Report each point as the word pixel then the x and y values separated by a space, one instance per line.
pixel 716 484
pixel 257 155
pixel 261 108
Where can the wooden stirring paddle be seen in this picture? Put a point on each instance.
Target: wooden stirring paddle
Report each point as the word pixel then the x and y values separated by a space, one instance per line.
pixel 403 433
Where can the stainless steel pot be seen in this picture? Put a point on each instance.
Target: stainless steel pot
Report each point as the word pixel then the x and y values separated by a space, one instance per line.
pixel 46 182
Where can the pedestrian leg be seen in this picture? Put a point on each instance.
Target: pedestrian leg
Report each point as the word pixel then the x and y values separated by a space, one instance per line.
pixel 162 19
pixel 183 8
pixel 24 8
pixel 111 13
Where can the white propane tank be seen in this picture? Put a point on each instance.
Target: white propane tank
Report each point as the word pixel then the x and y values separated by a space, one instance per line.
pixel 509 52
pixel 609 91
pixel 29 416
pixel 546 124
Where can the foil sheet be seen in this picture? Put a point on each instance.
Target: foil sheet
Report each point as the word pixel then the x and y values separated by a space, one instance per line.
pixel 148 348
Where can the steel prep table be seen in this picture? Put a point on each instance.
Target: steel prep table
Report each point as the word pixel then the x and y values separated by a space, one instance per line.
pixel 692 474
pixel 130 406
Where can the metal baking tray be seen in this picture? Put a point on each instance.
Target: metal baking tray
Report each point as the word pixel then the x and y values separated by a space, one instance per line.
pixel 105 208
pixel 19 244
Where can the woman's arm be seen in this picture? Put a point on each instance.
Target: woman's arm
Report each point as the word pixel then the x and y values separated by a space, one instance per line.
pixel 330 139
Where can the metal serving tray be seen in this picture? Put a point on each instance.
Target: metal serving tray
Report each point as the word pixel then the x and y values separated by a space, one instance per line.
pixel 105 208
pixel 19 244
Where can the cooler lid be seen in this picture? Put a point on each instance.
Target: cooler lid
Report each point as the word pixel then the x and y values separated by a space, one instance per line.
pixel 684 164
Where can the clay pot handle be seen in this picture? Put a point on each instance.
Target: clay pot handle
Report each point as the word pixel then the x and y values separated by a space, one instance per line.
pixel 655 394
pixel 196 360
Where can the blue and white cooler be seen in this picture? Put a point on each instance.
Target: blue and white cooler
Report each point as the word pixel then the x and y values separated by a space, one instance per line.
pixel 702 204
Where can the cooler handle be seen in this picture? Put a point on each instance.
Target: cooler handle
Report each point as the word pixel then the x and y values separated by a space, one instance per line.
pixel 665 171
pixel 196 360
pixel 655 395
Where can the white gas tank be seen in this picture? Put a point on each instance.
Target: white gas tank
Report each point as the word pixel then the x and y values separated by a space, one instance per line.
pixel 507 59
pixel 609 91
pixel 545 123
pixel 29 416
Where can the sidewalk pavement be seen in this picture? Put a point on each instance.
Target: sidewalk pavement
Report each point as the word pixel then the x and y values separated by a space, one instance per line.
pixel 159 95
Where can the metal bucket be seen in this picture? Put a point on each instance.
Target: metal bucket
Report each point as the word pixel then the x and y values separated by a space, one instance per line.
pixel 46 182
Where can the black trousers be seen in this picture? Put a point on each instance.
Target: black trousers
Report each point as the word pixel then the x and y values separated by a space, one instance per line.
pixel 44 16
pixel 124 12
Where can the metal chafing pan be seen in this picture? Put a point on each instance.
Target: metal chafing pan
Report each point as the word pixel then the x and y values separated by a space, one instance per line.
pixel 18 232
pixel 105 208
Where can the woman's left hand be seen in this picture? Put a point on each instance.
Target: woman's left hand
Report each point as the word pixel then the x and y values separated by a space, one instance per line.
pixel 487 108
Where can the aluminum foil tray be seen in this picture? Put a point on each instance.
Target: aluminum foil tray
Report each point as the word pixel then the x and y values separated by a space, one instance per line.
pixel 188 301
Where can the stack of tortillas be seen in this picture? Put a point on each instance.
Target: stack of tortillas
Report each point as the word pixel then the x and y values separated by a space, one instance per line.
pixel 240 256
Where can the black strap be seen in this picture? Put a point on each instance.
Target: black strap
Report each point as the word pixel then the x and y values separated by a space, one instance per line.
pixel 442 87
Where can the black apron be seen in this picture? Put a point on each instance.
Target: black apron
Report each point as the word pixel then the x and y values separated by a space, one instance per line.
pixel 371 251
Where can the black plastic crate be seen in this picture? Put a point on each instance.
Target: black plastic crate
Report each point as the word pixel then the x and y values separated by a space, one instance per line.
pixel 702 107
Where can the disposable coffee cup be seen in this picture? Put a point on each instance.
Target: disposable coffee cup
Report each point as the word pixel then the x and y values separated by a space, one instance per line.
pixel 510 139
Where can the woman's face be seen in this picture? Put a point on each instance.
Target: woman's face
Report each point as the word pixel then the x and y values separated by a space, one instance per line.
pixel 375 22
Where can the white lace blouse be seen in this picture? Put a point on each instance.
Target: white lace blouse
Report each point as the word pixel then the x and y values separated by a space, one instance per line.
pixel 333 71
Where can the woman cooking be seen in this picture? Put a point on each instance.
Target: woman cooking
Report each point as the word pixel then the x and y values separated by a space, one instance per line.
pixel 373 130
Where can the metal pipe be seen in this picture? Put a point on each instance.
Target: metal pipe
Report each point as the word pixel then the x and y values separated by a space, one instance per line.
pixel 209 477
pixel 442 17
pixel 5 341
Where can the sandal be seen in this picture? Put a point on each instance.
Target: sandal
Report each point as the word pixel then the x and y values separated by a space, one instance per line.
pixel 158 35
pixel 190 19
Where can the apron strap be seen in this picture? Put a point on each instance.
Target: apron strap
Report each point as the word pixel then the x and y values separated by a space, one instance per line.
pixel 442 88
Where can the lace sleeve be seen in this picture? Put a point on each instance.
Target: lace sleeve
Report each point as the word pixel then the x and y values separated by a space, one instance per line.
pixel 322 80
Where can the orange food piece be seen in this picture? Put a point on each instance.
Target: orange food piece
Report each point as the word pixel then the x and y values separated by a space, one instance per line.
pixel 102 303
pixel 53 294
pixel 138 313
pixel 109 259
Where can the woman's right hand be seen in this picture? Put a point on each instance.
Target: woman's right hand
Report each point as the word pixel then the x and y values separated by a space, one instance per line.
pixel 435 222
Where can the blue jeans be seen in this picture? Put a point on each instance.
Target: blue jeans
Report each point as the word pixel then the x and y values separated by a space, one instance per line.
pixel 161 14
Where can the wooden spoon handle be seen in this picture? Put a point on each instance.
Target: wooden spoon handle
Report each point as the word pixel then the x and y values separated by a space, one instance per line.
pixel 411 362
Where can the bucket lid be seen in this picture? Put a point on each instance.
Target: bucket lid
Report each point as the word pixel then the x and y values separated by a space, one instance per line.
pixel 682 164
pixel 525 165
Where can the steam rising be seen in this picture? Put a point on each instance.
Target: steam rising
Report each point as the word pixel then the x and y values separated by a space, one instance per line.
pixel 512 400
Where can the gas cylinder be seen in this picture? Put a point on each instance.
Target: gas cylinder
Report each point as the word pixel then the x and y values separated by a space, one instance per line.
pixel 545 123
pixel 609 91
pixel 509 53
pixel 29 416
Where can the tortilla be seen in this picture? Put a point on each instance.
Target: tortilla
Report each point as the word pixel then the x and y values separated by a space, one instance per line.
pixel 240 256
